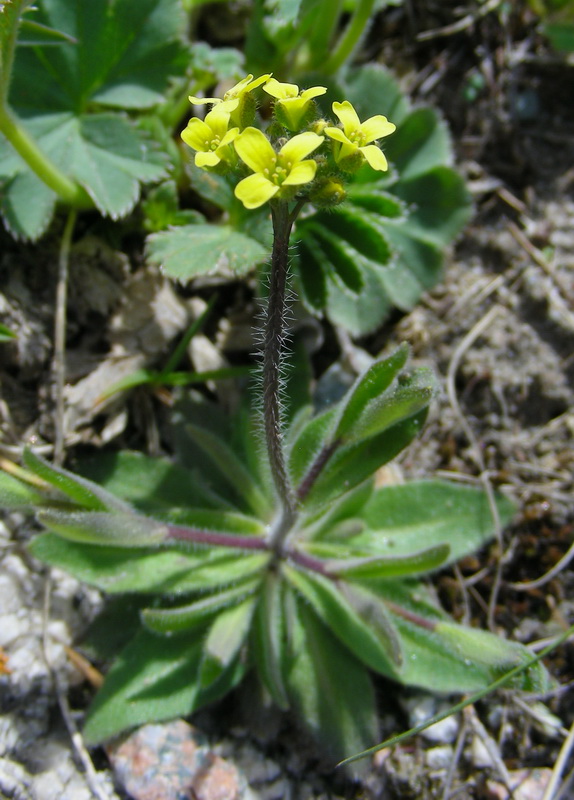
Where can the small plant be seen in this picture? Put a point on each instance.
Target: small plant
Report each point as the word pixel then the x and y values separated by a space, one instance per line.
pixel 265 546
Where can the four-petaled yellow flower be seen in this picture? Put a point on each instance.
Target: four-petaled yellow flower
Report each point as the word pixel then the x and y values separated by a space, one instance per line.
pixel 291 104
pixel 356 136
pixel 210 137
pixel 275 174
pixel 232 96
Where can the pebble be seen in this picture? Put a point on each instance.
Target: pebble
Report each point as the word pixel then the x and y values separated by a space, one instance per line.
pixel 172 761
pixel 439 757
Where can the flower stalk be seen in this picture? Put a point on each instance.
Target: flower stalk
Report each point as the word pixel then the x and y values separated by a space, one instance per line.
pixel 274 335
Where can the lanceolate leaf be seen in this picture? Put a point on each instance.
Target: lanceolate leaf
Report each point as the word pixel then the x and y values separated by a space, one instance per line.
pixel 331 689
pixel 399 518
pixel 103 528
pixel 83 492
pixel 338 614
pixel 185 618
pixel 369 386
pixel 153 679
pixel 268 639
pixel 225 638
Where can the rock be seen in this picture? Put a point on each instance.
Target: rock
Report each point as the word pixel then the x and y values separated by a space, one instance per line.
pixel 172 761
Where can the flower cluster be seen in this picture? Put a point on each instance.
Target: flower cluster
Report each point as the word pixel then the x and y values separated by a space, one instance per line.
pixel 279 160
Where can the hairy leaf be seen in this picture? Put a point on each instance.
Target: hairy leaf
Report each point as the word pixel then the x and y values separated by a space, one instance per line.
pixel 184 618
pixel 191 250
pixel 331 690
pixel 152 679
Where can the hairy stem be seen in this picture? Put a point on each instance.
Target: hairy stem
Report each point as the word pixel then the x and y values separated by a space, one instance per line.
pixel 351 37
pixel 272 352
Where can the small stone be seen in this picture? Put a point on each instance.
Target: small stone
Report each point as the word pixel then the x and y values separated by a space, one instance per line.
pixel 526 784
pixel 172 761
pixel 439 757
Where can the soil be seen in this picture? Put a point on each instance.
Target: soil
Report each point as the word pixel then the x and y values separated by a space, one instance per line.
pixel 499 333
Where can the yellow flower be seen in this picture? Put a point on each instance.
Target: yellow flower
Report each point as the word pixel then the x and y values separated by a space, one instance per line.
pixel 275 174
pixel 356 136
pixel 234 99
pixel 210 137
pixel 292 105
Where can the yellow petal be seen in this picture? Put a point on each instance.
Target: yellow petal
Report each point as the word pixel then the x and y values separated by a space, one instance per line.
pixel 337 134
pixel 300 146
pixel 313 91
pixel 281 90
pixel 255 190
pixel 209 159
pixel 239 87
pixel 229 137
pixel 254 149
pixel 197 134
pixel 303 172
pixel 258 81
pixel 347 115
pixel 375 157
pixel 218 121
pixel 201 101
pixel 376 127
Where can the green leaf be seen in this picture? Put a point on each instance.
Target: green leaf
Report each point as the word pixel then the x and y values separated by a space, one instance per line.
pixel 440 205
pixel 341 257
pixel 498 654
pixel 398 518
pixel 334 610
pixel 104 528
pixel 126 53
pixel 368 386
pixel 312 275
pixel 83 492
pixel 363 313
pixel 17 494
pixel 268 639
pixel 151 571
pixel 184 618
pixel 231 468
pixel 34 33
pixel 360 230
pixel 212 187
pixel 23 219
pixel 225 638
pixel 374 199
pixel 152 485
pixel 420 144
pixel 383 412
pixel 304 447
pixel 331 690
pixel 365 567
pixel 373 90
pixel 192 250
pixel 153 679
pixel 352 464
pixel 6 334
